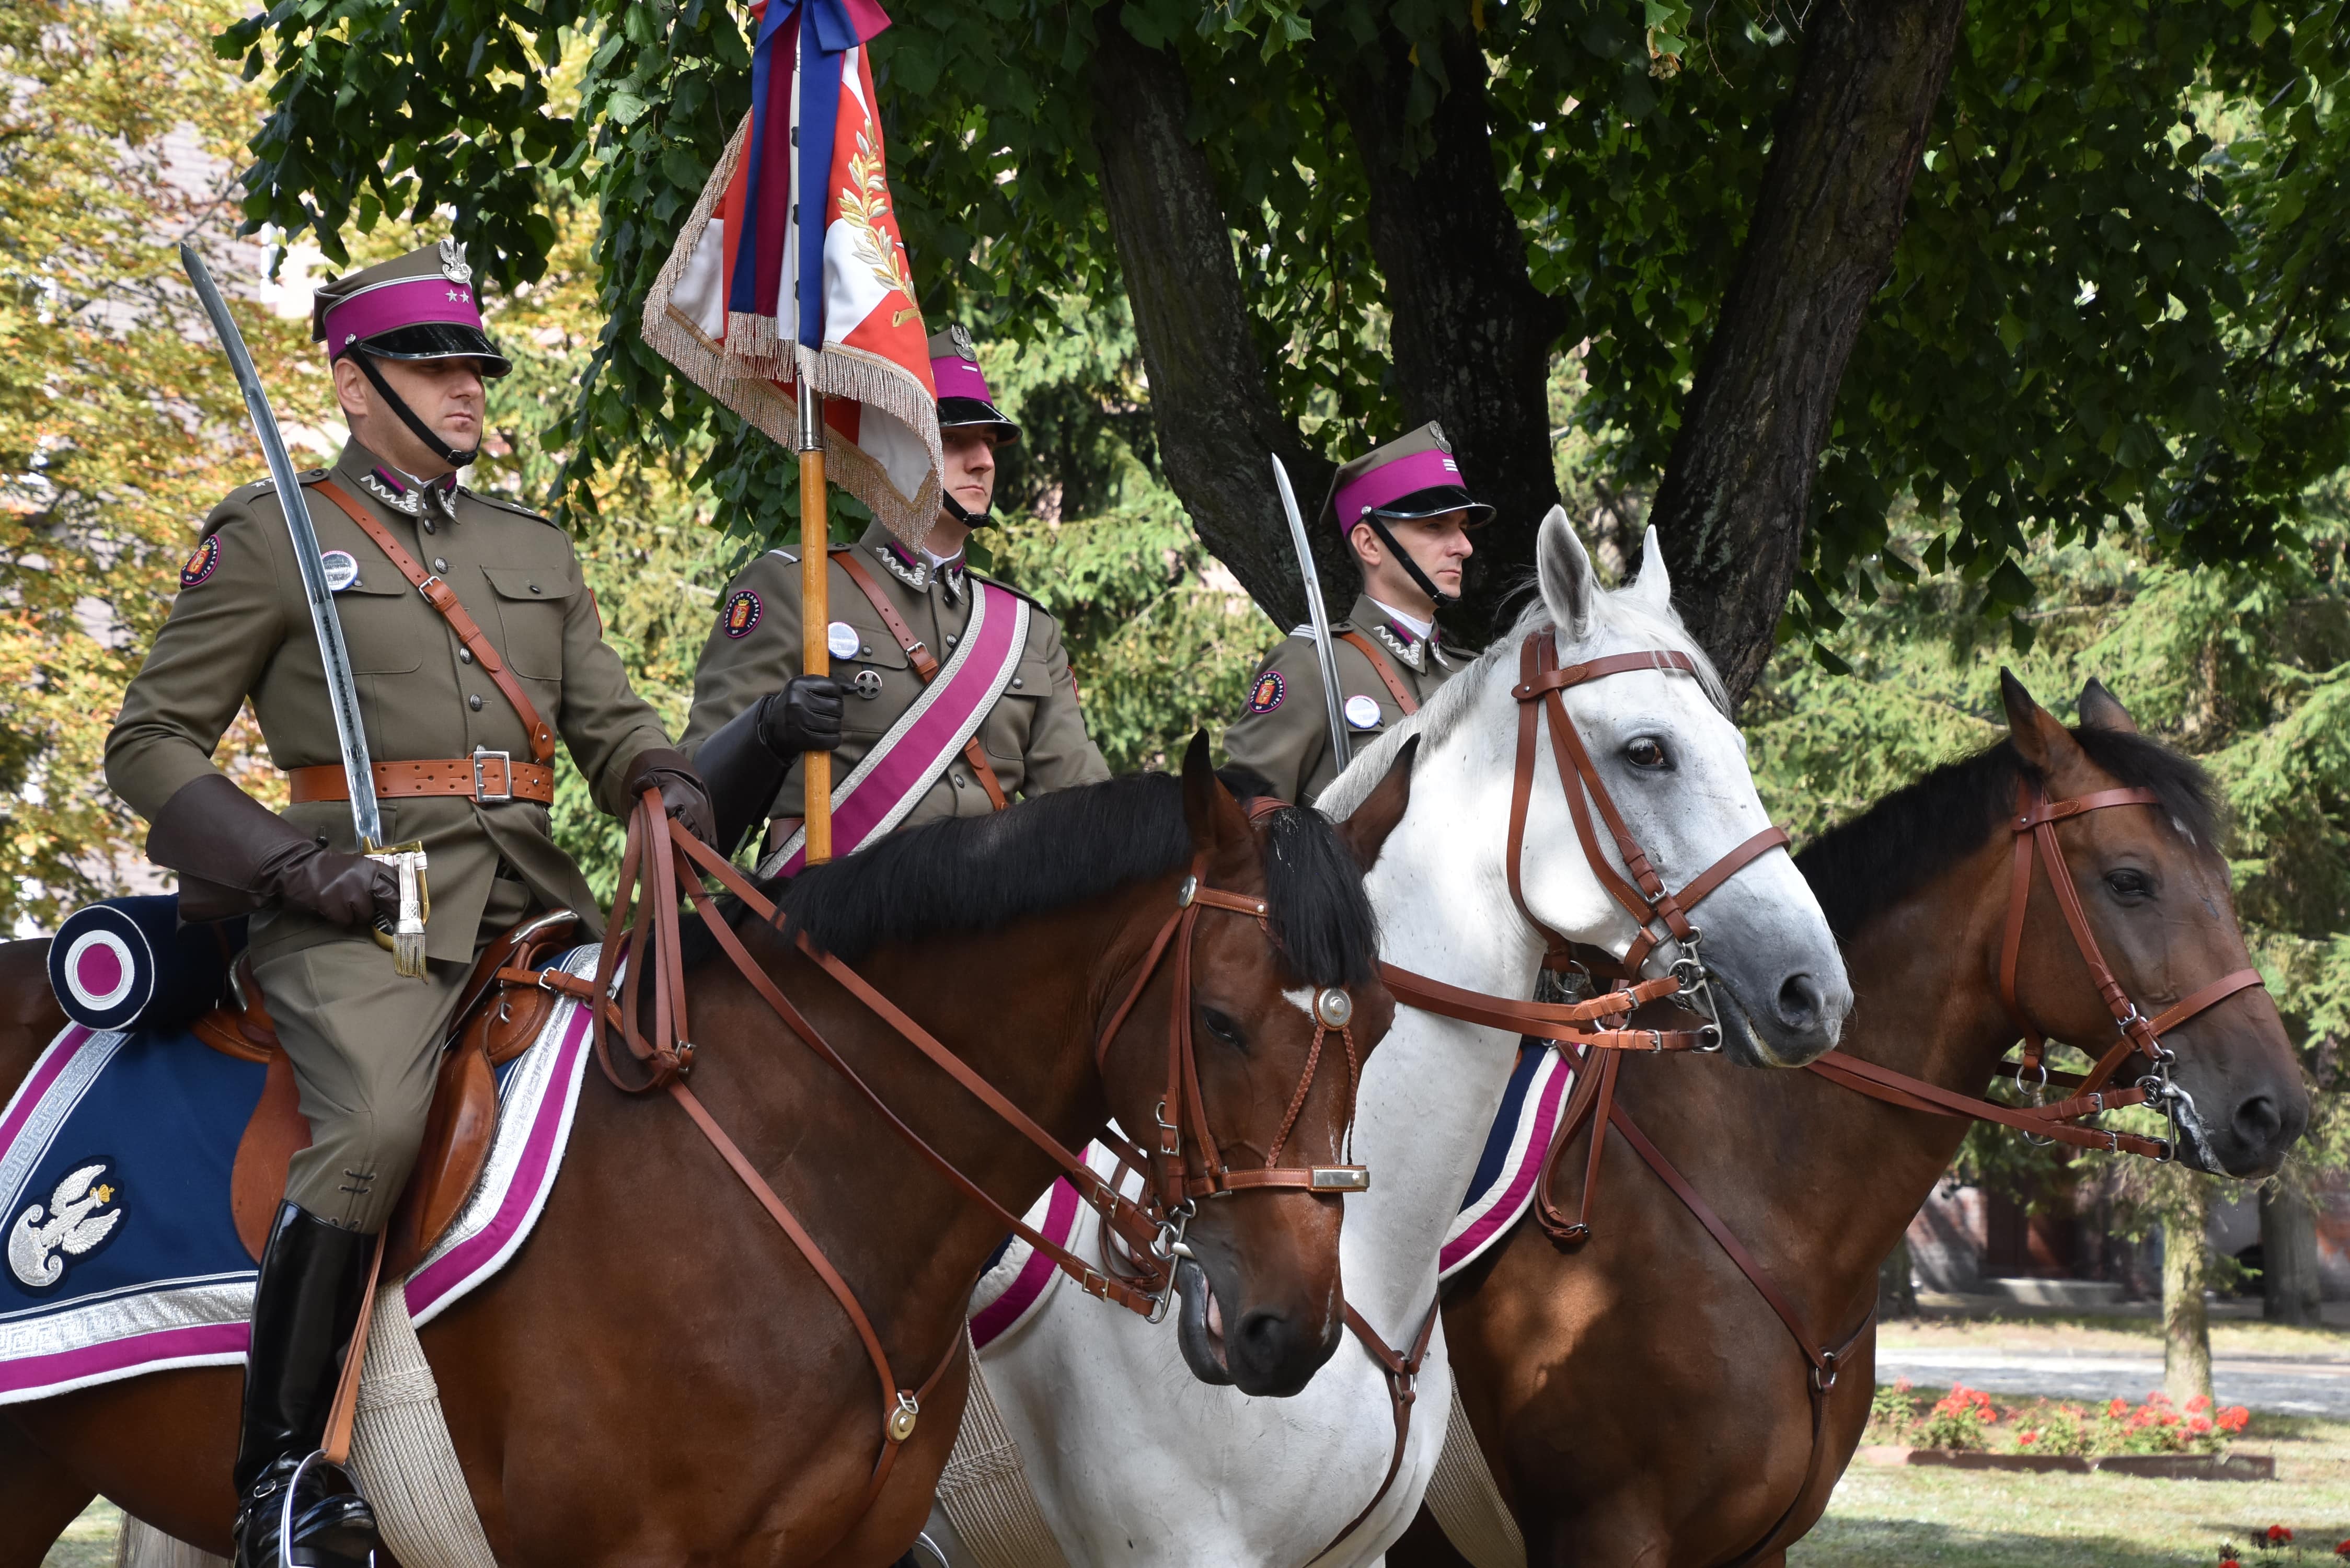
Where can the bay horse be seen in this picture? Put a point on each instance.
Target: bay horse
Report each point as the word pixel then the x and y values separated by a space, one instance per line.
pixel 1215 1477
pixel 1638 1399
pixel 659 1375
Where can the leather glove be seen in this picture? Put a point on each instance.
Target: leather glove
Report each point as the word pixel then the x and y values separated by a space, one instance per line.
pixel 682 795
pixel 804 716
pixel 235 855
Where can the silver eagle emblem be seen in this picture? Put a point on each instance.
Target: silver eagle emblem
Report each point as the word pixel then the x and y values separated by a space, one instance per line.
pixel 453 262
pixel 69 1225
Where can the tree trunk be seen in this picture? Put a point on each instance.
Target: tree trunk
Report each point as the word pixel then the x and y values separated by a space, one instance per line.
pixel 1471 334
pixel 1897 1293
pixel 1211 402
pixel 2185 1326
pixel 1733 504
pixel 2289 1284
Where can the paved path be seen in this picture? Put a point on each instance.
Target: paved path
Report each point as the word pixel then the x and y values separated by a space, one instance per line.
pixel 2294 1385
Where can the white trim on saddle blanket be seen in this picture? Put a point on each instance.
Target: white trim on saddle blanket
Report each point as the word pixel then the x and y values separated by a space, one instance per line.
pixel 1507 1173
pixel 1021 1278
pixel 203 1322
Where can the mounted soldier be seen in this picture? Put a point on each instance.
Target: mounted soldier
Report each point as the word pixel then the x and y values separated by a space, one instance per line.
pixel 1406 515
pixel 464 618
pixel 953 693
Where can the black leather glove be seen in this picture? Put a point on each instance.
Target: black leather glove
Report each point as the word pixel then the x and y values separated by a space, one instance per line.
pixel 235 855
pixel 804 716
pixel 681 791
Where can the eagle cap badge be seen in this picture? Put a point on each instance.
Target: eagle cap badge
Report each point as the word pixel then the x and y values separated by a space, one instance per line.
pixel 961 337
pixel 1436 434
pixel 453 262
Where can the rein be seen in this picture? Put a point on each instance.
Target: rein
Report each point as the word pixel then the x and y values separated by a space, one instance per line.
pixel 666 1059
pixel 2035 830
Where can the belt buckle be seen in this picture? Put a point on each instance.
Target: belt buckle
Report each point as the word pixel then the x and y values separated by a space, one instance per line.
pixel 482 792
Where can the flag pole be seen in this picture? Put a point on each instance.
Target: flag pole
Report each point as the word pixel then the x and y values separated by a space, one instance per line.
pixel 816 612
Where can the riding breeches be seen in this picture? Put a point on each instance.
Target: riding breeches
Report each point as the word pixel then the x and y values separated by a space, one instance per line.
pixel 365 1044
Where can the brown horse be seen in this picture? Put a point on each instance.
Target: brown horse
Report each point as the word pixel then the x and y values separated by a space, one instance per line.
pixel 1637 1399
pixel 659 1376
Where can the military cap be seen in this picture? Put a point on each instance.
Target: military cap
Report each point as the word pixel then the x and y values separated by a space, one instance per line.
pixel 964 401
pixel 421 305
pixel 1411 476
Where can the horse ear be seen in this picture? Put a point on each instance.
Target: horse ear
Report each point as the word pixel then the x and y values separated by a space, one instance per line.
pixel 2101 709
pixel 1568 583
pixel 1367 828
pixel 2033 731
pixel 1654 586
pixel 1210 813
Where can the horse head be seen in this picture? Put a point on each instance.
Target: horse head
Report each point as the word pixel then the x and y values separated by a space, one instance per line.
pixel 1282 1009
pixel 2153 888
pixel 1672 768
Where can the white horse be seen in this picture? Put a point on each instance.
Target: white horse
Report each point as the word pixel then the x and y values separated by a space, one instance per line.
pixel 1133 1459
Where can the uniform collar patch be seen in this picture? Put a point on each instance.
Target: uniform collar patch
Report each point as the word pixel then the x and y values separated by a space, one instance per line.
pixel 408 495
pixel 919 574
pixel 1407 649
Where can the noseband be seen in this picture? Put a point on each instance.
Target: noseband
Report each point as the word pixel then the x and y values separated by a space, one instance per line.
pixel 664 1061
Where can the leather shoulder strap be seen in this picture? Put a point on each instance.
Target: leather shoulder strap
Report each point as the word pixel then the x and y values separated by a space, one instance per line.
pixel 1385 670
pixel 925 663
pixel 443 599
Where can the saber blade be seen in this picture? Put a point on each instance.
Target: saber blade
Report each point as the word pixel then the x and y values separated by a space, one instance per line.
pixel 1326 651
pixel 406 941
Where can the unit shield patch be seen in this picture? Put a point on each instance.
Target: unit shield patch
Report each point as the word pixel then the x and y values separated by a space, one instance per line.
pixel 742 613
pixel 1269 690
pixel 203 564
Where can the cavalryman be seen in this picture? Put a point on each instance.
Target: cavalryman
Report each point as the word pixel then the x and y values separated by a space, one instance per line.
pixel 466 622
pixel 1406 516
pixel 949 693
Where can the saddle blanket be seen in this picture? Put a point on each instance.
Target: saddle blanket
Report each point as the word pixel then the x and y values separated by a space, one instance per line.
pixel 1018 1278
pixel 121 1252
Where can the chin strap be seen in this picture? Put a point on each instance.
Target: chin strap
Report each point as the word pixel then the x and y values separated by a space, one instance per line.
pixel 456 457
pixel 975 520
pixel 1411 567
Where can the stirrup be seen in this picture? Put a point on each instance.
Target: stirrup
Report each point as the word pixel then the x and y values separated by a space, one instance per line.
pixel 315 1556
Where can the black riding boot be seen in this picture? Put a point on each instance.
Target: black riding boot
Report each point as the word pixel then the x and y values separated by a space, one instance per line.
pixel 305 1307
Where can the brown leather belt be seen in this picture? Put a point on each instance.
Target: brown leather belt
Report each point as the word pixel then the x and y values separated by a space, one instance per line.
pixel 486 776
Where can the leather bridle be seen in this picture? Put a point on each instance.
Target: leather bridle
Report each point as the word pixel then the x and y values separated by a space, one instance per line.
pixel 644 931
pixel 2034 827
pixel 1600 1023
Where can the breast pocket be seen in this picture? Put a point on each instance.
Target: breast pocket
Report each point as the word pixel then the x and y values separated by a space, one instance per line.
pixel 382 631
pixel 1010 729
pixel 881 679
pixel 531 604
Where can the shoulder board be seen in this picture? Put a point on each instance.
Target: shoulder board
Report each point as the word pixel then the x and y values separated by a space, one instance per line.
pixel 1305 631
pixel 1016 592
pixel 514 506
pixel 246 494
pixel 786 555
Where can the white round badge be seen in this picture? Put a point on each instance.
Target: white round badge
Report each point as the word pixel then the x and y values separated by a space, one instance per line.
pixel 1363 712
pixel 342 570
pixel 842 639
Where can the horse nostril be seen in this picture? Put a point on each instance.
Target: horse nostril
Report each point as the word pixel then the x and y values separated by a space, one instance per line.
pixel 1801 1004
pixel 1262 1332
pixel 2257 1121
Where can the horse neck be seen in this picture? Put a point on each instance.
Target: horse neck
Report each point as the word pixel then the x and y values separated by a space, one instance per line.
pixel 1822 1181
pixel 1428 1092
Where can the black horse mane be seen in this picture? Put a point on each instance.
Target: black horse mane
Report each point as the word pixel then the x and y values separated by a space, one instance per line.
pixel 971 874
pixel 1922 829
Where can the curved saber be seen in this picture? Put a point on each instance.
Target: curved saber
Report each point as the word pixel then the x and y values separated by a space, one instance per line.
pixel 406 941
pixel 1325 651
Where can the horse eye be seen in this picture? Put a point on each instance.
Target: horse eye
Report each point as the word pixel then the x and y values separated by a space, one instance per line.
pixel 2128 884
pixel 1222 1026
pixel 1644 752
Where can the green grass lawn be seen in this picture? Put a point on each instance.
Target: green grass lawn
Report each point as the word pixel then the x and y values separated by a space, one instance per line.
pixel 1988 1520
pixel 89 1541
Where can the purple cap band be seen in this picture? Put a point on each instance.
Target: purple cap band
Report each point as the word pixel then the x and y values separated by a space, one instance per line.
pixel 410 302
pixel 959 377
pixel 1421 470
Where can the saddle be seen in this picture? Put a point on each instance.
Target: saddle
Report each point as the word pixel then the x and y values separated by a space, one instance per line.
pixel 495 1019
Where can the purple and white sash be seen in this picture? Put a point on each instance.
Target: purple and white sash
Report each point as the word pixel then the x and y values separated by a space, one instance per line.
pixel 898 770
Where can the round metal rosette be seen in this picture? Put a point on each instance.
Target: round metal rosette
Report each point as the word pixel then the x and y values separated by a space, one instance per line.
pixel 1333 1007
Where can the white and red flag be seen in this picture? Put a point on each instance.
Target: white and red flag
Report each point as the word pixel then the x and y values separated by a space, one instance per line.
pixel 791 271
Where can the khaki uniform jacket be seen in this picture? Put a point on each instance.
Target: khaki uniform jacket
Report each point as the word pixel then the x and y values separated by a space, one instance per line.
pixel 1035 736
pixel 1283 736
pixel 242 628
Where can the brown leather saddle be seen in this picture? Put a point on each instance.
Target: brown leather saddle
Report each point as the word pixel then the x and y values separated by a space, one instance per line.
pixel 495 1020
